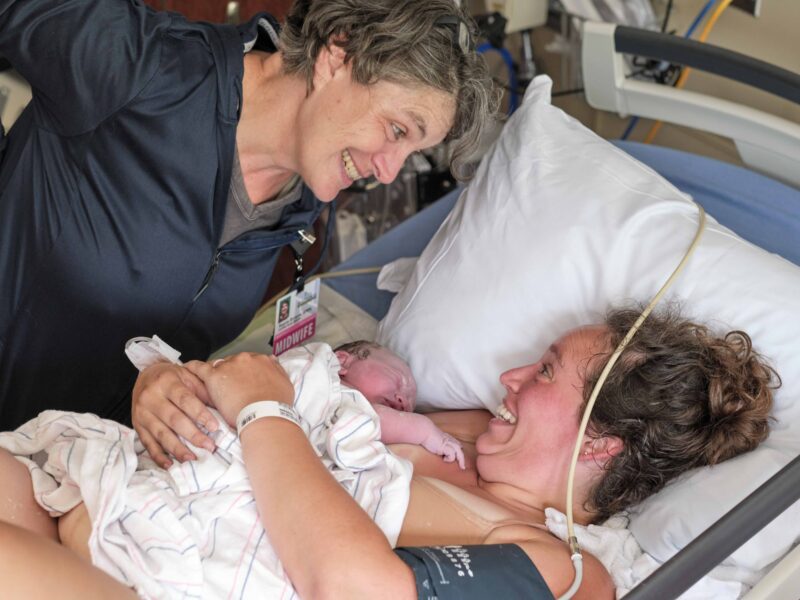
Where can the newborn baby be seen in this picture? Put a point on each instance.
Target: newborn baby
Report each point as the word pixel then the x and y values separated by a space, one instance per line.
pixel 380 375
pixel 387 383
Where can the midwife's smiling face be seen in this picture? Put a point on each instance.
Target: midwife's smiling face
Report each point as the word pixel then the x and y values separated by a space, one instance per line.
pixel 349 131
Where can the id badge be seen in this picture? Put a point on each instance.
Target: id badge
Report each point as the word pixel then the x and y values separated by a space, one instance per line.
pixel 296 318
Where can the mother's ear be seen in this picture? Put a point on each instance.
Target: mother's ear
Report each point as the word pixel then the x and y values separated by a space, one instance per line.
pixel 600 449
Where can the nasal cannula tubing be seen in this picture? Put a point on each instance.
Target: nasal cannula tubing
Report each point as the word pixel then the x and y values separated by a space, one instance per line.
pixel 572 540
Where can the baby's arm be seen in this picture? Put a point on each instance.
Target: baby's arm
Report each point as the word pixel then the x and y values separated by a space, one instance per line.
pixel 399 427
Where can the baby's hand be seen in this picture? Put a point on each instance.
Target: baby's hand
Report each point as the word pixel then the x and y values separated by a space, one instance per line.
pixel 413 428
pixel 445 445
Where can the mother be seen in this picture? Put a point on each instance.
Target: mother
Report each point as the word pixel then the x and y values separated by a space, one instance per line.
pixel 677 399
pixel 162 164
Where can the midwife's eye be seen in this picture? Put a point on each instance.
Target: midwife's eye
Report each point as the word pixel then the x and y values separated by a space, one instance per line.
pixel 398 131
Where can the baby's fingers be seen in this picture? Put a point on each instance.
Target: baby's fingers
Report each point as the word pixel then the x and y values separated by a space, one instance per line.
pixel 460 457
pixel 452 451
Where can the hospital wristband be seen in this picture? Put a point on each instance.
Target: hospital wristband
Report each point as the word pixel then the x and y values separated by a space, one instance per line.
pixel 263 409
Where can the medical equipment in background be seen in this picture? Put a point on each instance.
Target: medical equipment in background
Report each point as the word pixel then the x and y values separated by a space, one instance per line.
pixel 568 16
pixel 663 72
pixel 571 15
pixel 351 234
pixel 368 210
pixel 765 142
pixel 751 6
pixel 684 73
pixel 521 16
pixel 636 13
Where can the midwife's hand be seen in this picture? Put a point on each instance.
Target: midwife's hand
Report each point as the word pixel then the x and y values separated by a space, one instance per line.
pixel 446 446
pixel 236 381
pixel 169 401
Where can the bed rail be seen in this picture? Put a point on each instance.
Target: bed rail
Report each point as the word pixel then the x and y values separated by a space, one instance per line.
pixel 717 542
pixel 709 58
pixel 765 142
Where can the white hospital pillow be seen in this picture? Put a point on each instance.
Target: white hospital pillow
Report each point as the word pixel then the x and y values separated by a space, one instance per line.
pixel 557 225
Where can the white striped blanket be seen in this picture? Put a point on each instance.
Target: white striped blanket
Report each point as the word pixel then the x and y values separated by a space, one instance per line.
pixel 193 531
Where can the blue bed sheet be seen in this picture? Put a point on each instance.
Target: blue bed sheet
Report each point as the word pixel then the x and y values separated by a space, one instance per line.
pixel 761 210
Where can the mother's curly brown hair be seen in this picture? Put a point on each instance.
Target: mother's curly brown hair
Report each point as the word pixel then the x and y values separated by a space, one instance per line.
pixel 679 397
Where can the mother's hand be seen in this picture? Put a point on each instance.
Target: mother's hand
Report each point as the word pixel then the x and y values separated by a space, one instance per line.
pixel 236 381
pixel 169 401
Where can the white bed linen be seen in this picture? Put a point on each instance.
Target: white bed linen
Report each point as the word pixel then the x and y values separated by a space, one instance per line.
pixel 614 545
pixel 558 225
pixel 193 530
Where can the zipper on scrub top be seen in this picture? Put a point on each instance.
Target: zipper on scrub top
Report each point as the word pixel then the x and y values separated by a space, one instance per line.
pixel 209 276
pixel 299 237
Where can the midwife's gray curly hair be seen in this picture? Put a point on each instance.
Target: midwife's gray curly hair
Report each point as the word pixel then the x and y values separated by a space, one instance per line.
pixel 398 41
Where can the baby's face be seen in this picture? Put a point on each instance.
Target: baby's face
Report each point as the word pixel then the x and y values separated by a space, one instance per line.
pixel 383 377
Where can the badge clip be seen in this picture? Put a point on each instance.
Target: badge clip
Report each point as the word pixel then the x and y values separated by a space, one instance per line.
pixel 299 246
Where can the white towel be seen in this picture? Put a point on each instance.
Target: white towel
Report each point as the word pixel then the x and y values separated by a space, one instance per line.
pixel 614 546
pixel 193 530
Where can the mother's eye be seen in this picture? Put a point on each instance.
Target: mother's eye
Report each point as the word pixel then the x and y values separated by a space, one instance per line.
pixel 546 370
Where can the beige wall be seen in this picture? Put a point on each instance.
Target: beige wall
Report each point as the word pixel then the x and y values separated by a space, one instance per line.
pixel 773 37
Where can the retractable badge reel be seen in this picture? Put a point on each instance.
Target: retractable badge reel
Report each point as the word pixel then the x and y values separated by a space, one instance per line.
pixel 296 311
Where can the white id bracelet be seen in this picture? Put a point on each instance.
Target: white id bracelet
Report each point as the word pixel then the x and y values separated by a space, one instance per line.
pixel 265 408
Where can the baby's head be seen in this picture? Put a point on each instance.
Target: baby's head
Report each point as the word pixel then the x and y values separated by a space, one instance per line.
pixel 382 376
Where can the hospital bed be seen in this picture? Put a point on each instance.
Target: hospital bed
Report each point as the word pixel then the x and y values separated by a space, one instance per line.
pixel 762 209
pixel 727 193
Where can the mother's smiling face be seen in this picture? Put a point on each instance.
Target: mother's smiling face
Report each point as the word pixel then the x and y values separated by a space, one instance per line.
pixel 541 409
pixel 348 131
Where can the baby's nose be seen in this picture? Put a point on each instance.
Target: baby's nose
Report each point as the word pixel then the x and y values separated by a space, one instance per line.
pixel 401 403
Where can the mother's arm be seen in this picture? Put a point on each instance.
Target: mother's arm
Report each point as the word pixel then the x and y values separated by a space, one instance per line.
pixel 318 531
pixel 552 559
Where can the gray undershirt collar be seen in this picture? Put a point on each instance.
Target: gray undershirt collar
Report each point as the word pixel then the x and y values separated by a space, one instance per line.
pixel 241 215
